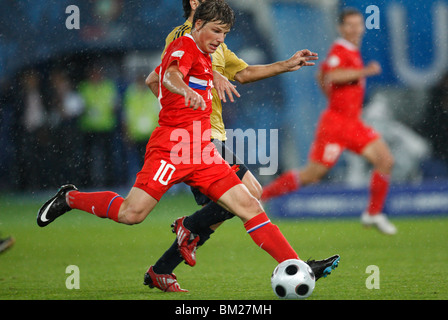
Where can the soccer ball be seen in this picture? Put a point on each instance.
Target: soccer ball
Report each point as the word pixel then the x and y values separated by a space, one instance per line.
pixel 293 279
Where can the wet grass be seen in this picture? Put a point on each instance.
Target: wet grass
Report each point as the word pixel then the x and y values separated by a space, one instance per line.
pixel 112 258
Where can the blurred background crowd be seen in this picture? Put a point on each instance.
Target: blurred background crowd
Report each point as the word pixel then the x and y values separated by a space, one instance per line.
pixel 54 131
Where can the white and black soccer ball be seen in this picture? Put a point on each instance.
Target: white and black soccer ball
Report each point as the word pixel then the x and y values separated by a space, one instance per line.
pixel 293 279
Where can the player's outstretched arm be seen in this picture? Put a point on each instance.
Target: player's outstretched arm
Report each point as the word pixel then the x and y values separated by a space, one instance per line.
pixel 302 58
pixel 173 81
pixel 343 75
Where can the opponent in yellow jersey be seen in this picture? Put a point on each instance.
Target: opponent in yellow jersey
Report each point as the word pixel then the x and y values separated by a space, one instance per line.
pixel 226 63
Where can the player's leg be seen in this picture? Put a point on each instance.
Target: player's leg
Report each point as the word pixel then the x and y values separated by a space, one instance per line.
pixel 136 207
pixel 104 204
pixel 212 214
pixel 312 173
pixel 378 154
pixel 213 220
pixel 154 179
pixel 293 180
pixel 255 189
pixel 265 234
pixel 131 210
pixel 238 200
pixel 324 153
pixel 196 229
pixel 252 184
pixel 285 183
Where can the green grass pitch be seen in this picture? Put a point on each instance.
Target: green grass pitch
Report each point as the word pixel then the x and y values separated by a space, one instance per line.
pixel 112 258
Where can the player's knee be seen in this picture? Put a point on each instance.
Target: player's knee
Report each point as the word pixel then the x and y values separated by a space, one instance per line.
pixel 252 185
pixel 251 204
pixel 134 218
pixel 132 215
pixel 256 190
pixel 390 162
pixel 386 163
pixel 311 177
pixel 315 179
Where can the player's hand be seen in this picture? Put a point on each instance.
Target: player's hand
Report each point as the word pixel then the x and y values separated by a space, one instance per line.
pixel 224 87
pixel 302 58
pixel 194 100
pixel 373 68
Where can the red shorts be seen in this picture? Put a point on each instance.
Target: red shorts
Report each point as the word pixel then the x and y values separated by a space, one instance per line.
pixel 335 133
pixel 162 168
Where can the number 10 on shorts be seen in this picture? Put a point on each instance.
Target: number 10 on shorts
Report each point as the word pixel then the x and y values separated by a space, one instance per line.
pixel 163 175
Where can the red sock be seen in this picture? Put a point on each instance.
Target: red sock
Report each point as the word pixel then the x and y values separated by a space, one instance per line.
pixel 269 238
pixel 285 183
pixel 379 187
pixel 104 204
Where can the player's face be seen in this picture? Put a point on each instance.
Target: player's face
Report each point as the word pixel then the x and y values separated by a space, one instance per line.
pixel 352 29
pixel 210 35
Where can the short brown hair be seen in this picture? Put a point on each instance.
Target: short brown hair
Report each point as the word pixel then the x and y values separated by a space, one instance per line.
pixel 214 10
pixel 348 12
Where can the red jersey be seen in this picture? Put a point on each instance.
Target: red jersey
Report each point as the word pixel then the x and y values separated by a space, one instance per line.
pixel 345 99
pixel 173 157
pixel 196 66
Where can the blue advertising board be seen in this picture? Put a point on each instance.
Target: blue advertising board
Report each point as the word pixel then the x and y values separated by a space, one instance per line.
pixel 333 200
pixel 410 41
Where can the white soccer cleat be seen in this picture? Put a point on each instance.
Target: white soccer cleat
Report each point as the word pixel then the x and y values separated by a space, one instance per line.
pixel 380 221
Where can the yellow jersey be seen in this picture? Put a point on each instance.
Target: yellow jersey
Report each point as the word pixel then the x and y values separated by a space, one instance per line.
pixel 226 63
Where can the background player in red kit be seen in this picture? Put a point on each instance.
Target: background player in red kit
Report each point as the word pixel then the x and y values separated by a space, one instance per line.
pixel 185 97
pixel 342 79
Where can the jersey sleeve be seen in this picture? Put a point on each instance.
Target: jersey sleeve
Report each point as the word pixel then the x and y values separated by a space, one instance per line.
pixel 177 32
pixel 181 52
pixel 332 62
pixel 233 64
pixel 337 58
pixel 157 70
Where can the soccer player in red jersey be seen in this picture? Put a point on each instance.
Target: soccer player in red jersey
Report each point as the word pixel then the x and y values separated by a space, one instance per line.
pixel 193 231
pixel 342 79
pixel 180 149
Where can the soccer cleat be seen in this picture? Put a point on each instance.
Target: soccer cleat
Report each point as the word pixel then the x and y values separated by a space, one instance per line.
pixel 54 207
pixel 380 221
pixel 164 282
pixel 322 268
pixel 6 243
pixel 187 241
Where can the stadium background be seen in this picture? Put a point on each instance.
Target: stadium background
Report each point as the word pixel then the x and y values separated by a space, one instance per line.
pixel 407 102
pixel 124 39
